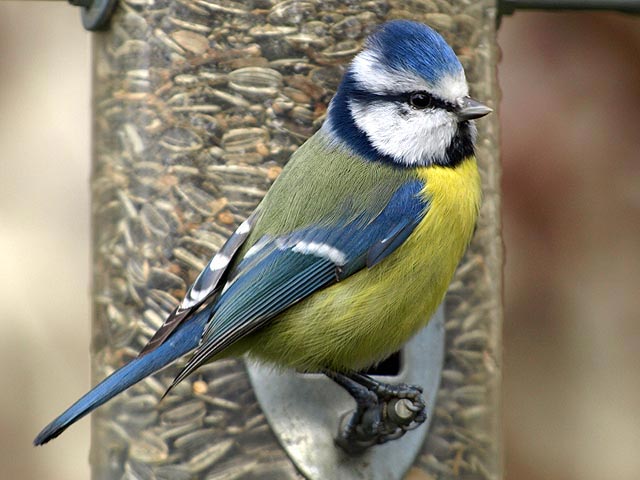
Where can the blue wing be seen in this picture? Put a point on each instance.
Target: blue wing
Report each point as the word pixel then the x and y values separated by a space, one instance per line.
pixel 279 272
pixel 206 286
pixel 168 343
pixel 273 275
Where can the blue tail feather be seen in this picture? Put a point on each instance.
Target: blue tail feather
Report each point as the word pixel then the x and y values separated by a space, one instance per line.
pixel 183 340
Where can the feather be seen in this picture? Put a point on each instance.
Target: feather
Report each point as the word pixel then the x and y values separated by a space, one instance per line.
pixel 184 340
pixel 205 286
pixel 290 267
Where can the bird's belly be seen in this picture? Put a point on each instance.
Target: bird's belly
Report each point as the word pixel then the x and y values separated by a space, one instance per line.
pixel 358 321
pixel 366 317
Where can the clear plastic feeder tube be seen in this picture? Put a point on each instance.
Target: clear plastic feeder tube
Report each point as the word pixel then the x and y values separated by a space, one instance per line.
pixel 197 106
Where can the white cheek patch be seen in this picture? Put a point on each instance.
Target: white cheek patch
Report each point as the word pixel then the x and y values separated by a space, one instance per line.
pixel 417 138
pixel 322 250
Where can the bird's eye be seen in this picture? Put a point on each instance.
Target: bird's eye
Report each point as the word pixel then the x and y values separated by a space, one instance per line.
pixel 420 100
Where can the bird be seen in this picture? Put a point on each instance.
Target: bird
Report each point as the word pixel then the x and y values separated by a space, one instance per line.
pixel 352 248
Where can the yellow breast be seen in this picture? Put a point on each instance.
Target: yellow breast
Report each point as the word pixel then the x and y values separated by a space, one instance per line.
pixel 371 314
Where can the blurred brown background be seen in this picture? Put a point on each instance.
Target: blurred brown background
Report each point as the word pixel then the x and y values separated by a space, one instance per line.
pixel 571 159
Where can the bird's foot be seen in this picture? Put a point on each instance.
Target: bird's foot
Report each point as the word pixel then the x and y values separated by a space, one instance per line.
pixel 384 412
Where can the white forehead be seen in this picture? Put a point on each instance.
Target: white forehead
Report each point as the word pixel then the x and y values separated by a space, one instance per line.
pixel 371 73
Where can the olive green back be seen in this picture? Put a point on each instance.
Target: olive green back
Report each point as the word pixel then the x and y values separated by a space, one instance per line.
pixel 322 184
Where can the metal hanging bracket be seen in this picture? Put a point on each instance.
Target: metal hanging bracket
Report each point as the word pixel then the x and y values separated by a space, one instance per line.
pixel 304 412
pixel 95 14
pixel 507 7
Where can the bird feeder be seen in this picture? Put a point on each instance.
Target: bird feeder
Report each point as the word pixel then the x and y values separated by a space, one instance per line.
pixel 197 106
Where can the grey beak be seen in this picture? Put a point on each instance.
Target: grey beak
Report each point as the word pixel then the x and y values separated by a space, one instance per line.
pixel 470 109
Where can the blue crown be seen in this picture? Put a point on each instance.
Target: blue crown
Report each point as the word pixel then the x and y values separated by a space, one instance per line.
pixel 411 46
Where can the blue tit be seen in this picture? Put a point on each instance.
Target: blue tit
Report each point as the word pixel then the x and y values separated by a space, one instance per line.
pixel 353 247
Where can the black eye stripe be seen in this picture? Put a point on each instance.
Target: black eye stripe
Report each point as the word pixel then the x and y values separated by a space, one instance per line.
pixel 434 102
pixel 417 99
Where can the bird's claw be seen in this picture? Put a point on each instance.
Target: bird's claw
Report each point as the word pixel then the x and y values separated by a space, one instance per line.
pixel 381 421
pixel 401 390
